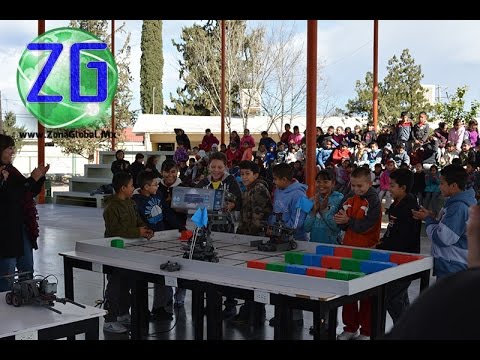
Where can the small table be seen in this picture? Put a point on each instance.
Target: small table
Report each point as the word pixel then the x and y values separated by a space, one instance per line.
pixel 35 322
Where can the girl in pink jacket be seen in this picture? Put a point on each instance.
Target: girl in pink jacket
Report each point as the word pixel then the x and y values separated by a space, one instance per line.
pixel 385 184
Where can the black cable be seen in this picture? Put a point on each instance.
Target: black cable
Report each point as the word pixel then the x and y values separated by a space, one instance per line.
pixel 100 303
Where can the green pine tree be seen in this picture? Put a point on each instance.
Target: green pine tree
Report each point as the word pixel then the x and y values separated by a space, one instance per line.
pixel 123 97
pixel 400 90
pixel 10 128
pixel 151 71
pixel 454 108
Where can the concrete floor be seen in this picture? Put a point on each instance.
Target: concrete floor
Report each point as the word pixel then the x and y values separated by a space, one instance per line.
pixel 62 225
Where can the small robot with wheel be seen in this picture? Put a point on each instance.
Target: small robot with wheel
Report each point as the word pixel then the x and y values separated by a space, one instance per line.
pixel 34 290
pixel 281 236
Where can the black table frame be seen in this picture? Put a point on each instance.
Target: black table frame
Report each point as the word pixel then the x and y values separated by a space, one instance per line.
pixel 214 293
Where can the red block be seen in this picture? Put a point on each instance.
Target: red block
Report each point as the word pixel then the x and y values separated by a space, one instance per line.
pixel 318 272
pixel 403 258
pixel 331 262
pixel 257 264
pixel 185 235
pixel 343 252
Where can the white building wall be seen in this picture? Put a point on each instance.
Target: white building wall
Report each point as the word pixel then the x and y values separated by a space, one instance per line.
pixel 27 158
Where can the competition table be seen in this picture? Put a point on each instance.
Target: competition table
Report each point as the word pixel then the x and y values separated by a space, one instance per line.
pixel 139 262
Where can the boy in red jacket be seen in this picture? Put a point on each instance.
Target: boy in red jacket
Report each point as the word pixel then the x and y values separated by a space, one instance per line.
pixel 361 218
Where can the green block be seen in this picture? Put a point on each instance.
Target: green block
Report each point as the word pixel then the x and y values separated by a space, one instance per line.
pixel 294 257
pixel 276 266
pixel 337 274
pixel 361 254
pixel 117 243
pixel 353 275
pixel 350 264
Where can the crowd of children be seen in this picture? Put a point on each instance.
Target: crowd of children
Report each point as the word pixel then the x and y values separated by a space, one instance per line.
pixel 356 171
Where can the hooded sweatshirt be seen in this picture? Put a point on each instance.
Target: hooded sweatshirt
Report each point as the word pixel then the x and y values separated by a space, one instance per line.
pixel 121 218
pixel 363 228
pixel 156 213
pixel 449 235
pixel 285 203
pixel 322 227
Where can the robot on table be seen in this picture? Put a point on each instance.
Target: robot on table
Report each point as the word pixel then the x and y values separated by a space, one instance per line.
pixel 200 246
pixel 37 290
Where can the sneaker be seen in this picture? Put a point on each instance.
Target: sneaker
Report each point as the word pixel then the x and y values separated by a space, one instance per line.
pixel 229 312
pixel 160 314
pixel 347 335
pixel 124 319
pixel 114 327
pixel 361 337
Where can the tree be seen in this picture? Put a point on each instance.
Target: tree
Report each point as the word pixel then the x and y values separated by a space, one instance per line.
pixel 10 128
pixel 284 84
pixel 86 147
pixel 151 71
pixel 400 91
pixel 453 108
pixel 200 69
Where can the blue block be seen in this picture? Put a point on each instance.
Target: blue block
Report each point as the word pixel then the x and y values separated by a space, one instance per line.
pixel 379 256
pixel 296 269
pixel 312 259
pixel 369 266
pixel 325 250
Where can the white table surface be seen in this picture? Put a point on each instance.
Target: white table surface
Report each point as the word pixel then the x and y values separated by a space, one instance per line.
pixel 30 318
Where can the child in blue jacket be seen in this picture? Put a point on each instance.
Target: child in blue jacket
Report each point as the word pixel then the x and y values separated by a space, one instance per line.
pixel 319 221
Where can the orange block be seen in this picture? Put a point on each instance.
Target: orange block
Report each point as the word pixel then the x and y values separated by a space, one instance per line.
pixel 255 264
pixel 315 271
pixel 331 262
pixel 403 258
pixel 343 252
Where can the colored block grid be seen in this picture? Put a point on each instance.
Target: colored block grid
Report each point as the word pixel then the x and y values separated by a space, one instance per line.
pixel 354 275
pixel 350 264
pixel 325 250
pixel 403 258
pixel 379 256
pixel 343 252
pixel 296 269
pixel 318 272
pixel 361 254
pixel 331 262
pixel 255 264
pixel 343 275
pixel 368 266
pixel 294 257
pixel 312 260
pixel 276 266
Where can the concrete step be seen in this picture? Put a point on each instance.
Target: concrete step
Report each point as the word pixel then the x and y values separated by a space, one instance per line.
pixel 107 157
pixel 87 184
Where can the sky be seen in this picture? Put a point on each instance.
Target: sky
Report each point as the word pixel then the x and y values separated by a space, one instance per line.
pixel 448 52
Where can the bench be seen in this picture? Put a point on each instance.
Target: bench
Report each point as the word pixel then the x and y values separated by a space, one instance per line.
pixel 79 198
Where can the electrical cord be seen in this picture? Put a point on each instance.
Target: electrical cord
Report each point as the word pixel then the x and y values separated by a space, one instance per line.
pixel 154 334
